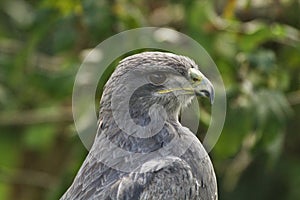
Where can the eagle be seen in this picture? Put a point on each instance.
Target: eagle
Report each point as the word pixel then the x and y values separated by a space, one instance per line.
pixel 141 150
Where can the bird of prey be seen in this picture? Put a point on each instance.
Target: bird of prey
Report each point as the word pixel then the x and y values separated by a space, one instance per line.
pixel 141 151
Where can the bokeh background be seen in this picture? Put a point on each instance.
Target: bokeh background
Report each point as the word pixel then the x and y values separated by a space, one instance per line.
pixel 255 44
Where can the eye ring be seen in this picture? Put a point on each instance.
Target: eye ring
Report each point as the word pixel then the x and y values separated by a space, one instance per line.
pixel 157 78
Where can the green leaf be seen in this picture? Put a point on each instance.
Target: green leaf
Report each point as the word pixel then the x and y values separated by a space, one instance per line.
pixel 39 137
pixel 238 123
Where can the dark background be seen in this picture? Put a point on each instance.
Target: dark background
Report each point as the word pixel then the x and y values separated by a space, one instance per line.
pixel 255 44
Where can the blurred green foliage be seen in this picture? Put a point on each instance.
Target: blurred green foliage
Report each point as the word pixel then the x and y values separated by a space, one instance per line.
pixel 255 44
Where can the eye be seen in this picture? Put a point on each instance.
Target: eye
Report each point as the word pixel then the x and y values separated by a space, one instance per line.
pixel 157 78
pixel 195 79
pixel 195 75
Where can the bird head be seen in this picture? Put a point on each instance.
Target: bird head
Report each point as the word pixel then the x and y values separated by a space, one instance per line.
pixel 194 83
pixel 165 79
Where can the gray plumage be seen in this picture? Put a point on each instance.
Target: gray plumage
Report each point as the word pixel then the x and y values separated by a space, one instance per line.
pixel 153 174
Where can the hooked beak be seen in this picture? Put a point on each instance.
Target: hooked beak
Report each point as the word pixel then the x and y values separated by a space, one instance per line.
pixel 205 89
pixel 202 86
pixel 198 85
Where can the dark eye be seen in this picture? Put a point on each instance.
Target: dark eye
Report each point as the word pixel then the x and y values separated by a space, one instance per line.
pixel 157 78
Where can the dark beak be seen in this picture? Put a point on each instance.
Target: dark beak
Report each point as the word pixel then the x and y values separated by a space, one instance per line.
pixel 205 89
